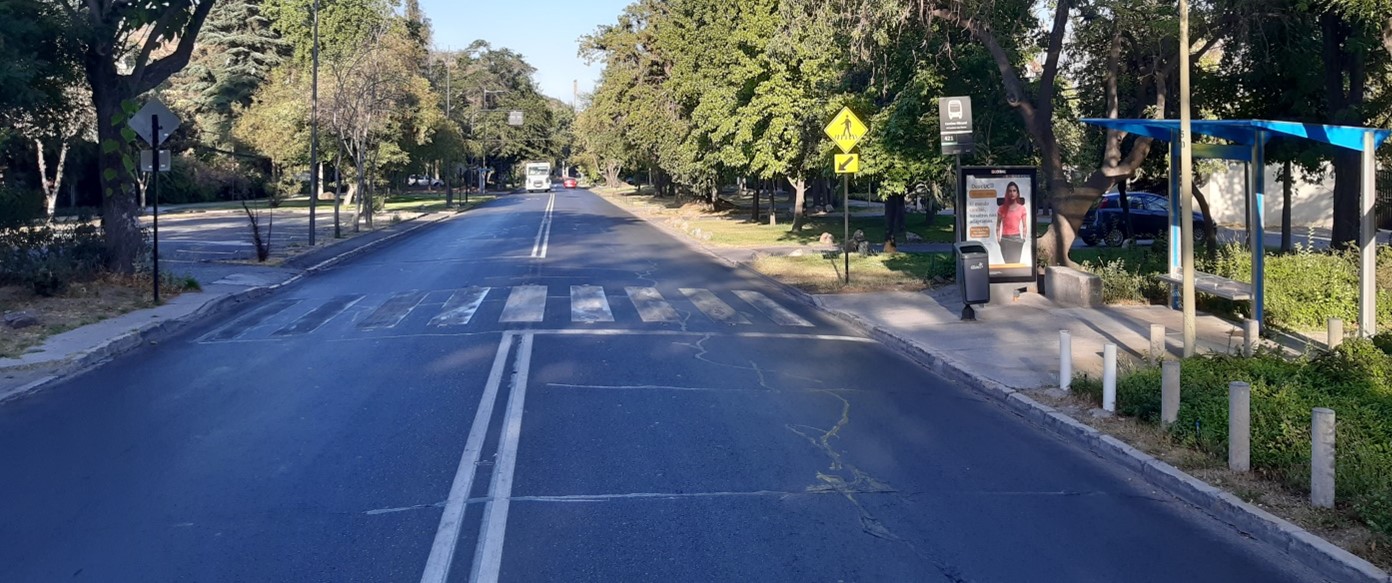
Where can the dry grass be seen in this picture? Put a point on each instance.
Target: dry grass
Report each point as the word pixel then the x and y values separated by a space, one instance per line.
pixel 82 304
pixel 823 274
pixel 1338 525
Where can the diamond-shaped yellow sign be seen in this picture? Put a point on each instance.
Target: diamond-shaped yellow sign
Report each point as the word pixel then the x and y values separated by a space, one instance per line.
pixel 848 163
pixel 846 130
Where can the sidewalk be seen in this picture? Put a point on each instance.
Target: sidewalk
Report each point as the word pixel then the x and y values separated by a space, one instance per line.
pixel 224 286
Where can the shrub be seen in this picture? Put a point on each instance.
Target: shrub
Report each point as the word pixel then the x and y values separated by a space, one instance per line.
pixel 1354 380
pixel 48 257
pixel 1126 284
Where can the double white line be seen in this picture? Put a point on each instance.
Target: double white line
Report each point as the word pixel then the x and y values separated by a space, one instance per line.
pixel 488 556
pixel 543 237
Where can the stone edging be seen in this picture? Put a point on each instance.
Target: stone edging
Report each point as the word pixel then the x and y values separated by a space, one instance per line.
pixel 149 333
pixel 1304 546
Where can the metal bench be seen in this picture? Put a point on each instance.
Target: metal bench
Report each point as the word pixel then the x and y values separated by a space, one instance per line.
pixel 1215 285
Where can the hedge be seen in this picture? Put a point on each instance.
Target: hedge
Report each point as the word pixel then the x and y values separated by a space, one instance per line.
pixel 1354 380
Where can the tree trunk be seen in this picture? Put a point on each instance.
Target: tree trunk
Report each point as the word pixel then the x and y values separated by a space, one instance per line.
pixel 1125 210
pixel 362 176
pixel 1287 178
pixel 799 197
pixel 51 187
pixel 1347 169
pixel 758 195
pixel 1210 226
pixel 773 202
pixel 120 210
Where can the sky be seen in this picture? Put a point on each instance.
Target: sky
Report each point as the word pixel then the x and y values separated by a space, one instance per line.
pixel 543 31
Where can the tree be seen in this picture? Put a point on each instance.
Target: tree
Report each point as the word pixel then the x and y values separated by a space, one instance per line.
pixel 129 47
pixel 39 67
pixel 54 129
pixel 236 54
pixel 1141 36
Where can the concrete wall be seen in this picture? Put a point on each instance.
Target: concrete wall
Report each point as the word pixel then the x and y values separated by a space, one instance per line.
pixel 1312 201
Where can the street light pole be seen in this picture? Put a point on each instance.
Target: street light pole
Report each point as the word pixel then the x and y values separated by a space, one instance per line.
pixel 314 128
pixel 449 167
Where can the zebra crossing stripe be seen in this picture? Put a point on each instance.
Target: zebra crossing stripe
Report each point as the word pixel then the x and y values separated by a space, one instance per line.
pixel 650 304
pixel 460 307
pixel 318 316
pixel 712 306
pixel 526 303
pixel 779 314
pixel 393 311
pixel 588 304
pixel 252 320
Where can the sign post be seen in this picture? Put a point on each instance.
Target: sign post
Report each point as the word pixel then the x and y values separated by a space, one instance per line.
pixel 846 130
pixel 153 123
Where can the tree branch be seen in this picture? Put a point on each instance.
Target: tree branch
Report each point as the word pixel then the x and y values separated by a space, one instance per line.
pixel 162 69
pixel 1014 87
pixel 1050 73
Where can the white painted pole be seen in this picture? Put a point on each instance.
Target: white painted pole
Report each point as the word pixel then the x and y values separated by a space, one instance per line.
pixel 1109 377
pixel 1250 336
pixel 1239 426
pixel 1336 333
pixel 1169 392
pixel 1157 340
pixel 1367 242
pixel 1322 457
pixel 1065 360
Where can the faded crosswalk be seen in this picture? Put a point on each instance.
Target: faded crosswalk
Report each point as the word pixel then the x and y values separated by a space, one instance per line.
pixel 444 310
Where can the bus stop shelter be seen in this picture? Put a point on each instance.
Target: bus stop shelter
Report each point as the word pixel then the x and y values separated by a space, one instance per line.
pixel 1246 141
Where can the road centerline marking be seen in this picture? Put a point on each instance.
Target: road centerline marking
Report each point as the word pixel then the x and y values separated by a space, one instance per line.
pixel 543 236
pixel 437 567
pixel 488 559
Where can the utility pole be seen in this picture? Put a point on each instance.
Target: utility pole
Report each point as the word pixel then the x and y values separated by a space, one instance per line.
pixel 1186 185
pixel 449 166
pixel 314 128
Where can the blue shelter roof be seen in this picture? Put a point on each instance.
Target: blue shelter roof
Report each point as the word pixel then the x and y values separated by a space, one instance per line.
pixel 1247 131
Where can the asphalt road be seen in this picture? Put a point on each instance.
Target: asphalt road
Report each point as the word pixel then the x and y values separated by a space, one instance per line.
pixel 525 394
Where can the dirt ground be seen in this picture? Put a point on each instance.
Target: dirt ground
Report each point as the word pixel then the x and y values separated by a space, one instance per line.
pixel 82 304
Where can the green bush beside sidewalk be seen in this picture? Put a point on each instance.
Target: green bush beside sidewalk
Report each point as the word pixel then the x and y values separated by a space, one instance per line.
pixel 1355 380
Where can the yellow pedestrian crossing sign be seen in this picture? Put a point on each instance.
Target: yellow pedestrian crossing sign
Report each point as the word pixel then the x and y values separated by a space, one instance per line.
pixel 846 130
pixel 848 163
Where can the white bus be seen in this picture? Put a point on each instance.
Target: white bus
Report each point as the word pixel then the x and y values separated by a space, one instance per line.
pixel 538 177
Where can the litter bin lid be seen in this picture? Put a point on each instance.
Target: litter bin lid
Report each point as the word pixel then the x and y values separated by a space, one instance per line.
pixel 970 248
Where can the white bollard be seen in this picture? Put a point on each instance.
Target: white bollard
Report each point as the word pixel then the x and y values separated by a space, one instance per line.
pixel 1251 334
pixel 1157 340
pixel 1322 457
pixel 1169 392
pixel 1336 333
pixel 1239 426
pixel 1109 375
pixel 1065 360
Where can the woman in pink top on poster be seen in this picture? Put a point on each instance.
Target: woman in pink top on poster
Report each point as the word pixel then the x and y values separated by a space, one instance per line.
pixel 1012 222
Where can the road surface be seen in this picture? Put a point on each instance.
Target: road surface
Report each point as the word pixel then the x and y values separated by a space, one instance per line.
pixel 548 389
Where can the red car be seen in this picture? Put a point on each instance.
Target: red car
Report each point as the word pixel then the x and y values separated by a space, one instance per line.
pixel 569 183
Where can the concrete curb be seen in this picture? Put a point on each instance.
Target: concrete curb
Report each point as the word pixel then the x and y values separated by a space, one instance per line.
pixel 154 332
pixel 1267 528
pixel 1319 554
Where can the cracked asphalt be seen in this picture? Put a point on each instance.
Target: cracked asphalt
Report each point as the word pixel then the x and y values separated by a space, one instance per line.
pixel 407 415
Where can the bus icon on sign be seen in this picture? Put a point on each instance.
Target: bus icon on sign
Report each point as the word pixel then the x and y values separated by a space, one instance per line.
pixel 954 109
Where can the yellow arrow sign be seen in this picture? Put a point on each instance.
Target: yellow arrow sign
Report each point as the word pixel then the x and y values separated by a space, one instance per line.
pixel 846 130
pixel 848 163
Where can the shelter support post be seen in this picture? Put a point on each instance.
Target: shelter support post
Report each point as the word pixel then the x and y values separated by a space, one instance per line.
pixel 1175 232
pixel 1256 225
pixel 1367 240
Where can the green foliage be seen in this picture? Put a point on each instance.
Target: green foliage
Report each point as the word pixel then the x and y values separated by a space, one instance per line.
pixel 194 180
pixel 1306 288
pixel 1355 381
